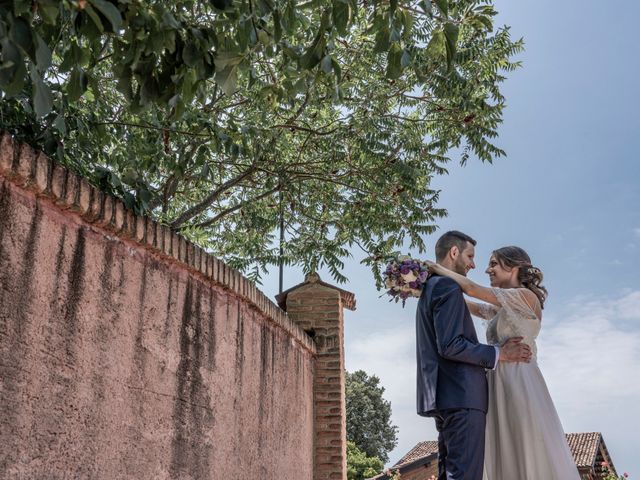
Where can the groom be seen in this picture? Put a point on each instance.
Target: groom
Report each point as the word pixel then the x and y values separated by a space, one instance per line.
pixel 452 385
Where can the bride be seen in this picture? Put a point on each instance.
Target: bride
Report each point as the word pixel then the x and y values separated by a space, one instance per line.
pixel 524 436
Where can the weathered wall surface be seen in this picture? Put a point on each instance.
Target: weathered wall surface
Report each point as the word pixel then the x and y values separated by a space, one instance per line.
pixel 127 353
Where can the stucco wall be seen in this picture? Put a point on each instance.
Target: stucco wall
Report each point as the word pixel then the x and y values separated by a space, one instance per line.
pixel 120 361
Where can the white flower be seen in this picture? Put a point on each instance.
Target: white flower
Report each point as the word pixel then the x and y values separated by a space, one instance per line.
pixel 410 277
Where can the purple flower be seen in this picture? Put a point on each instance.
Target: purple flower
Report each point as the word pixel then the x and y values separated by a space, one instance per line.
pixel 405 269
pixel 413 284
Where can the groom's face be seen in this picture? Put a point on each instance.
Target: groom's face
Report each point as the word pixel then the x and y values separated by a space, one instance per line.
pixel 464 260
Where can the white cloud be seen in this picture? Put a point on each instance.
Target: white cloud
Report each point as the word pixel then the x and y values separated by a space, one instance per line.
pixel 590 357
pixel 589 353
pixel 391 355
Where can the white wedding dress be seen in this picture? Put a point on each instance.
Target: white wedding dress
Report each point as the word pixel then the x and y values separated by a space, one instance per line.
pixel 524 436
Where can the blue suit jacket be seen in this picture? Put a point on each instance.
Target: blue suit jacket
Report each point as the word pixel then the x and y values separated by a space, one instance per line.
pixel 451 361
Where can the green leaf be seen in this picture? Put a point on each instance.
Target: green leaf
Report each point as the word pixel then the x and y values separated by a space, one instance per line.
pixel 341 15
pixel 427 7
pixel 227 78
pixel 110 11
pixel 21 34
pixel 451 35
pixel 265 6
pixel 336 69
pixel 43 54
pixel 264 38
pixel 394 36
pixel 77 84
pixel 227 59
pixel 486 21
pixel 95 17
pixel 408 22
pixel 394 61
pixel 222 4
pixel 382 40
pixel 73 56
pixel 42 98
pixel 59 124
pixel 49 9
pixel 169 21
pixel 315 52
pixel 277 26
pixel 190 55
pixel 436 48
pixel 405 61
pixel 326 64
pixel 12 69
pixel 443 6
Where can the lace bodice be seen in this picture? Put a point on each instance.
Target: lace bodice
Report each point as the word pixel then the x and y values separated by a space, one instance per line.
pixel 513 318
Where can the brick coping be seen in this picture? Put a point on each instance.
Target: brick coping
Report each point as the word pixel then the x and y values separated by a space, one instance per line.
pixel 34 171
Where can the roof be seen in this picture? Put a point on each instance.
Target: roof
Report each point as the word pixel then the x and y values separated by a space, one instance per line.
pixel 421 450
pixel 584 447
pixel 348 298
pixel 588 450
pixel 423 454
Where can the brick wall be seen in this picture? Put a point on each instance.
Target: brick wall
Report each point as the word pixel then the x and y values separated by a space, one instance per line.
pixel 127 352
pixel 423 472
pixel 318 308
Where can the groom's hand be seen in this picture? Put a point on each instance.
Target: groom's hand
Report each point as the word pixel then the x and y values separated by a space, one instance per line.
pixel 513 350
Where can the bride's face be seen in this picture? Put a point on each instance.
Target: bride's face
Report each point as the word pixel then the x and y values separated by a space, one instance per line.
pixel 499 276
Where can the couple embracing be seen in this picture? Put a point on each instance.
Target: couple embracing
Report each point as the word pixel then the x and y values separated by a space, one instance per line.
pixel 493 412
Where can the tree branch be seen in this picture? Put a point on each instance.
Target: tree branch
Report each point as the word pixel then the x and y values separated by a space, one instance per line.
pixel 209 199
pixel 236 207
pixel 152 127
pixel 305 129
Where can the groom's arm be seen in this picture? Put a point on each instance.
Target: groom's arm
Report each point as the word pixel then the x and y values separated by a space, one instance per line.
pixel 448 316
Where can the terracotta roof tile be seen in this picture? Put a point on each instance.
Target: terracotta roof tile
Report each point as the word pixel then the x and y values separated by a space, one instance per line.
pixel 584 447
pixel 422 449
pixel 348 298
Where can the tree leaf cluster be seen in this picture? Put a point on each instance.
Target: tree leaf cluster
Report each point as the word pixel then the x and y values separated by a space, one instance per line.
pixel 369 424
pixel 359 465
pixel 225 119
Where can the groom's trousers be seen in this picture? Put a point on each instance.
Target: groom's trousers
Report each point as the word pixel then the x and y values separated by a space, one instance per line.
pixel 460 443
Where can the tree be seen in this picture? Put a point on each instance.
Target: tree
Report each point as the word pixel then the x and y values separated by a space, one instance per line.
pixel 359 466
pixel 227 120
pixel 369 415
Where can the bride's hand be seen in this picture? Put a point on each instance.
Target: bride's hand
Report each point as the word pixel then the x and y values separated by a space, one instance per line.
pixel 432 266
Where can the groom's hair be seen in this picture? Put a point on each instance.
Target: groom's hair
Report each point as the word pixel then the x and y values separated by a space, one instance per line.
pixel 451 239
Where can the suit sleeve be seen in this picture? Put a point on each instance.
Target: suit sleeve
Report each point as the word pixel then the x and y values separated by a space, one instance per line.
pixel 448 316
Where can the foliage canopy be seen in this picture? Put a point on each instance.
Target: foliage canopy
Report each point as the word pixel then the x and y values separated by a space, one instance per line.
pixel 369 415
pixel 359 465
pixel 228 118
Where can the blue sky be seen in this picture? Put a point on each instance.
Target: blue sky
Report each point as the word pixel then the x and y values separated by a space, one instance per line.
pixel 569 193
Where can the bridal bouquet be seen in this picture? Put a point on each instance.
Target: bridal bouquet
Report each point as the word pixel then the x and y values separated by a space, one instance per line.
pixel 404 277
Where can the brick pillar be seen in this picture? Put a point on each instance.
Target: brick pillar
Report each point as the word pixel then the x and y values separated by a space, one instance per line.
pixel 318 308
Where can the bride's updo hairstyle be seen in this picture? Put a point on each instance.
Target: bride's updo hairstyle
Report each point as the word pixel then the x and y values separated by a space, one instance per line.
pixel 530 276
